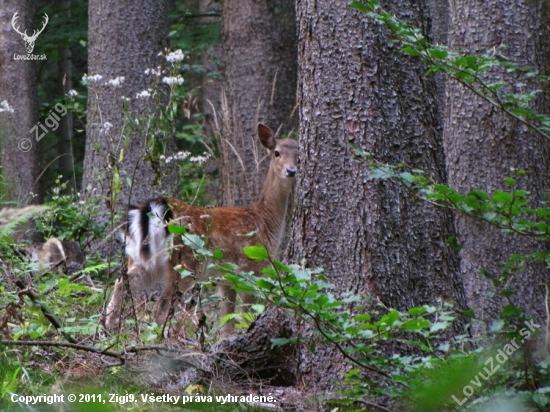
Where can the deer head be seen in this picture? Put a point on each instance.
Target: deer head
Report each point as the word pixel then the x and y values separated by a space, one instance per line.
pixel 283 153
pixel 29 40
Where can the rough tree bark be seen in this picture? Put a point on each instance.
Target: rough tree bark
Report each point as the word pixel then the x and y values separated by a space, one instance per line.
pixel 259 54
pixel 369 235
pixel 19 149
pixel 482 144
pixel 436 21
pixel 124 40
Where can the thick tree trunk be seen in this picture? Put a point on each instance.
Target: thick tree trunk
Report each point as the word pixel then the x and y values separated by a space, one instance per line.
pixel 482 145
pixel 124 40
pixel 369 235
pixel 259 52
pixel 19 148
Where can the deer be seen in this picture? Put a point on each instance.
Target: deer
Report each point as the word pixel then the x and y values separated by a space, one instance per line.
pixel 229 229
pixel 29 40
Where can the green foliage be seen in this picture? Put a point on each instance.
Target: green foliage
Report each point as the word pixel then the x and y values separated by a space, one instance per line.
pixel 475 72
pixel 511 210
pixel 68 218
pixel 359 327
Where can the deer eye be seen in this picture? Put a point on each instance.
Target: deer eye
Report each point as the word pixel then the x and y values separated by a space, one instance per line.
pixel 277 154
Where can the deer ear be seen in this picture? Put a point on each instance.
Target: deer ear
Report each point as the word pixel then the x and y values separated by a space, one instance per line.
pixel 266 137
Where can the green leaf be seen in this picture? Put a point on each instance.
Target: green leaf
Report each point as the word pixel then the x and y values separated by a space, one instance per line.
pixel 438 53
pixel 510 310
pixel 540 399
pixel 280 267
pixel 502 197
pixel 496 325
pixel 258 308
pixel 281 341
pixel 257 252
pixel 390 318
pixel 195 242
pixel 264 284
pixel 437 326
pixel 270 272
pixel 176 229
pixel 410 50
pixel 416 324
pixel 362 318
pixel 417 311
pixel 360 6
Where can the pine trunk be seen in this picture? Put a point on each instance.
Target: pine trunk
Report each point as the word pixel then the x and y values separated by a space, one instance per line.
pixel 18 145
pixel 370 236
pixel 483 145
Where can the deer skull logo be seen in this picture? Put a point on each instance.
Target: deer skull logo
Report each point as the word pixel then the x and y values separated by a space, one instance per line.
pixel 29 40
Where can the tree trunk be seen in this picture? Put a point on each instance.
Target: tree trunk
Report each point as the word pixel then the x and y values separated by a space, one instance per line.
pixel 66 162
pixel 124 40
pixel 19 148
pixel 370 236
pixel 259 52
pixel 252 355
pixel 436 23
pixel 482 145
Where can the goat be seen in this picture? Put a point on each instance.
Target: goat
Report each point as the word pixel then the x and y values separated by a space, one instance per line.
pixel 150 265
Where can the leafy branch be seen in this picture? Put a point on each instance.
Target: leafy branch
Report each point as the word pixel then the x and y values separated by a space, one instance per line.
pixel 360 336
pixel 470 70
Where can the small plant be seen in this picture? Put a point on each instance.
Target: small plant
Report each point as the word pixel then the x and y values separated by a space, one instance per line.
pixel 69 218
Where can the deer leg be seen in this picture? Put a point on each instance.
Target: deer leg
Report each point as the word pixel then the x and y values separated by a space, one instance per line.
pixel 113 312
pixel 162 307
pixel 115 304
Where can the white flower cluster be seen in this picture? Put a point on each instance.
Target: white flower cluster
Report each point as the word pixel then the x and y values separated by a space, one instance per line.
pixel 177 156
pixel 5 107
pixel 200 159
pixel 116 82
pixel 144 94
pixel 125 99
pixel 106 127
pixel 72 93
pixel 93 78
pixel 153 72
pixel 175 56
pixel 173 80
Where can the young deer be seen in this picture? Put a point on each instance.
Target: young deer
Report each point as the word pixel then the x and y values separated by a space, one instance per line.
pixel 151 269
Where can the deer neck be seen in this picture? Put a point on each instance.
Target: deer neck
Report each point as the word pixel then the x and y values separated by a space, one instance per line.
pixel 272 206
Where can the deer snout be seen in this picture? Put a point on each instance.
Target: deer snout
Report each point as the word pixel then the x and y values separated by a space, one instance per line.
pixel 291 171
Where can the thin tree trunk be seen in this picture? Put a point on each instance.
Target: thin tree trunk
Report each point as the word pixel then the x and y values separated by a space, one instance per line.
pixel 259 53
pixel 19 148
pixel 370 236
pixel 483 145
pixel 66 162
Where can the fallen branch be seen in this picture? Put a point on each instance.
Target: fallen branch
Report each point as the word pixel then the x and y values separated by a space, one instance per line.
pixel 120 355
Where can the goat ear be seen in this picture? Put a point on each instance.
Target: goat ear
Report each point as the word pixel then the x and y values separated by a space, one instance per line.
pixel 266 137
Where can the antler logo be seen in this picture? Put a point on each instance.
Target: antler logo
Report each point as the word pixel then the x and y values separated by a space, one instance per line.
pixel 29 40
